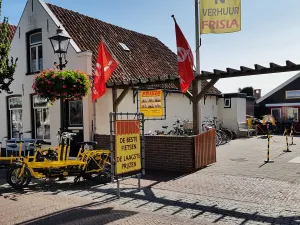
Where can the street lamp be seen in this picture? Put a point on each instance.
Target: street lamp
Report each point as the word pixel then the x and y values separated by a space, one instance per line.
pixel 60 44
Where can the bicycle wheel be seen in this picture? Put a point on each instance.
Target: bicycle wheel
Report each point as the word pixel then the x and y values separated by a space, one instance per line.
pixel 223 136
pixel 218 138
pixel 228 133
pixel 18 182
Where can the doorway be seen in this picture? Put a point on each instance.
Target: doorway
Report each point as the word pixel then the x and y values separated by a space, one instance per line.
pixel 74 122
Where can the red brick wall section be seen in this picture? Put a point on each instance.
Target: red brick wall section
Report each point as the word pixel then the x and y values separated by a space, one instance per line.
pixel 166 153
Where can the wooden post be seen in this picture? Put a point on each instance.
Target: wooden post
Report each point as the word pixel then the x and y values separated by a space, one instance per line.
pixel 114 99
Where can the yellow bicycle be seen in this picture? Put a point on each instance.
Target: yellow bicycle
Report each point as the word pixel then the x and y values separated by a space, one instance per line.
pixel 55 163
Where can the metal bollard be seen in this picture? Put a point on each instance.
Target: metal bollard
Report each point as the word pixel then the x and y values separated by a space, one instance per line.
pixel 268 151
pixel 287 143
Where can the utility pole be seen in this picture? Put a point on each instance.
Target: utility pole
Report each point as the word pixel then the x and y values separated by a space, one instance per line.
pixel 195 91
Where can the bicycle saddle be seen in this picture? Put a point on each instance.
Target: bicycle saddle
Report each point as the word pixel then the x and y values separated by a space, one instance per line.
pixel 165 127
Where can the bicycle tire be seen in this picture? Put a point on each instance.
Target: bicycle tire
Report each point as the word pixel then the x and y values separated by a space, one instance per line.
pixel 228 133
pixel 224 137
pixel 25 180
pixel 218 138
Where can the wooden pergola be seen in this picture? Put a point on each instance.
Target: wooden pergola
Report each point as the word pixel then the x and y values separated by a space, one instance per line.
pixel 196 96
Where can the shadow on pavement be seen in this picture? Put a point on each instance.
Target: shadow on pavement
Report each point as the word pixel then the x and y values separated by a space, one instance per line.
pixel 109 195
pixel 81 215
pixel 148 197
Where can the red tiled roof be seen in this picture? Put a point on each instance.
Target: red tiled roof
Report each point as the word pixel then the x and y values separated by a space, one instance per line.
pixel 12 29
pixel 148 57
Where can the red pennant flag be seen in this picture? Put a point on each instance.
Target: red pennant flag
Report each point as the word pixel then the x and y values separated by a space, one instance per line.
pixel 185 60
pixel 105 66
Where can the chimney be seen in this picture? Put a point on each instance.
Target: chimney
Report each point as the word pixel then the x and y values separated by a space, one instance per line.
pixel 257 93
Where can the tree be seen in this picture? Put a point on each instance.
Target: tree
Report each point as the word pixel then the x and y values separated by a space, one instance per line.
pixel 7 66
pixel 246 90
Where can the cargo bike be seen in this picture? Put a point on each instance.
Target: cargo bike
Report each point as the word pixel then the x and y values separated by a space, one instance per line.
pixel 54 162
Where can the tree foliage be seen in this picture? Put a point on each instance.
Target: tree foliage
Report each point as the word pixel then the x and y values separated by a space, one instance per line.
pixel 7 64
pixel 247 90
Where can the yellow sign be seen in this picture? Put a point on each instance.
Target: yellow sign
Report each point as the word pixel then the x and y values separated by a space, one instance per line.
pixel 128 146
pixel 220 16
pixel 151 103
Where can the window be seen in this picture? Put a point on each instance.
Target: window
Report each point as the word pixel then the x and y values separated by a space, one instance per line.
pixel 276 113
pixel 124 46
pixel 35 51
pixel 292 94
pixel 15 114
pixel 41 118
pixel 292 113
pixel 75 113
pixel 227 103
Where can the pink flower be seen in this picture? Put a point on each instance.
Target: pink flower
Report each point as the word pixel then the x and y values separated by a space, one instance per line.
pixel 64 86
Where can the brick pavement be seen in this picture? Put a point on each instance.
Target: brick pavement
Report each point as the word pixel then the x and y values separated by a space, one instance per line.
pixel 238 189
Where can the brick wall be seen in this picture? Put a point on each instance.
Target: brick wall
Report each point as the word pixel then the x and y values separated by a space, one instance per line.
pixel 163 152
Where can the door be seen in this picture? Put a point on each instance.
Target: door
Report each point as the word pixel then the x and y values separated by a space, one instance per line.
pixel 74 118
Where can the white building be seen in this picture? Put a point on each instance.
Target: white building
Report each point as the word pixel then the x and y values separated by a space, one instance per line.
pixel 145 57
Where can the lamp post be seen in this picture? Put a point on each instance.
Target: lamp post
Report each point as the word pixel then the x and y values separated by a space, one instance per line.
pixel 60 44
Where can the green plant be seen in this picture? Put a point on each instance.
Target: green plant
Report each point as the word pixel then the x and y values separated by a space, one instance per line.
pixel 7 66
pixel 56 84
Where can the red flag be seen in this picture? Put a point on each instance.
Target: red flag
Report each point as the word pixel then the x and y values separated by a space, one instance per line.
pixel 105 66
pixel 185 60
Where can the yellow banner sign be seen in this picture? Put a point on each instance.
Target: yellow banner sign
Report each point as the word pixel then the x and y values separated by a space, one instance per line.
pixel 128 147
pixel 220 16
pixel 151 103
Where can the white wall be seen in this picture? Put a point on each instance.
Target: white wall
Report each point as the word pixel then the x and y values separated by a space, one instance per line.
pixel 231 116
pixel 177 106
pixel 30 20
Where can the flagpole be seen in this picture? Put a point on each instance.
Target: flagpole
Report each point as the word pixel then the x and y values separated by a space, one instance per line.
pixel 195 86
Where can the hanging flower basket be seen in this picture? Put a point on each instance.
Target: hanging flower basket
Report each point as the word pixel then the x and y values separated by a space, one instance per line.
pixel 68 84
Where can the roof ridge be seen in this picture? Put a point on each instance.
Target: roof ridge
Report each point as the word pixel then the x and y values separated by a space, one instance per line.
pixel 49 4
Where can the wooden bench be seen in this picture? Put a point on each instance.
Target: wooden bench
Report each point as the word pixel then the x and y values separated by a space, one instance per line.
pixel 243 127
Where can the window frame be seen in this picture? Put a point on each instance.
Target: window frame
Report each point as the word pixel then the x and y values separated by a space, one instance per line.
pixel 280 113
pixel 297 96
pixel 293 109
pixel 36 45
pixel 69 114
pixel 9 111
pixel 33 116
pixel 227 105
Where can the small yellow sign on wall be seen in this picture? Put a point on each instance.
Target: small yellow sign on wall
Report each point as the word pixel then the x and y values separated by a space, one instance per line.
pixel 151 103
pixel 128 146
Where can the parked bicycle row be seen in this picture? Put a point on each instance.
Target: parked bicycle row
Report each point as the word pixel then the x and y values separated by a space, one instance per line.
pixel 180 128
pixel 223 135
pixel 185 128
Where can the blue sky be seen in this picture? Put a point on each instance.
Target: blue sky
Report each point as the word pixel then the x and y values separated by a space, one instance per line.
pixel 270 32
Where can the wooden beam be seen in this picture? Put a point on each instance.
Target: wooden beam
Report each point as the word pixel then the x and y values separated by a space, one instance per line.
pixel 289 63
pixel 230 70
pixel 122 95
pixel 205 89
pixel 187 94
pixel 114 99
pixel 259 67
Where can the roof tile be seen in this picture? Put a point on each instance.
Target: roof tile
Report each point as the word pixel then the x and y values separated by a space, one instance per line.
pixel 148 57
